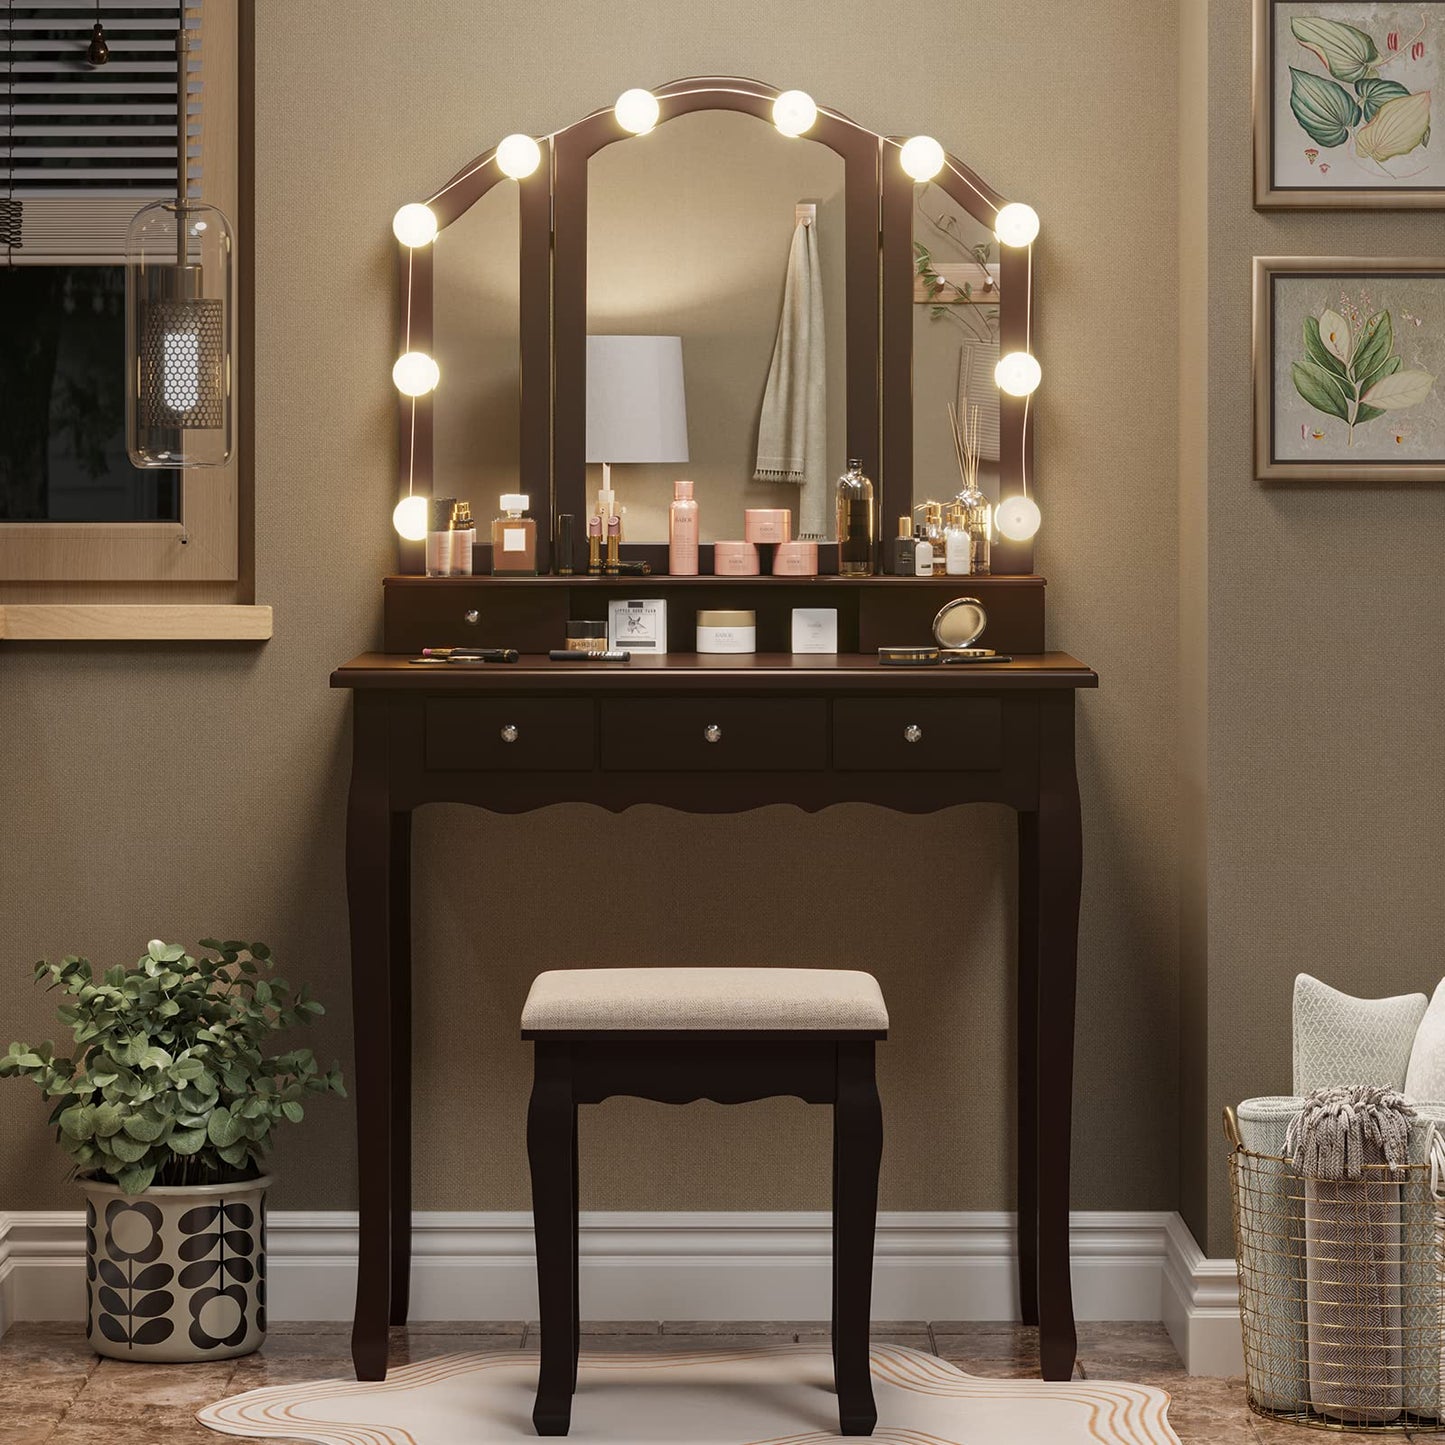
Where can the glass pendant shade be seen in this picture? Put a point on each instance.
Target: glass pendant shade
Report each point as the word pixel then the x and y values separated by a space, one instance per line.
pixel 178 328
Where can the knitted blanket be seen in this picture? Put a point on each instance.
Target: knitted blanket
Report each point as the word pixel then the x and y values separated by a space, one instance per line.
pixel 1351 1145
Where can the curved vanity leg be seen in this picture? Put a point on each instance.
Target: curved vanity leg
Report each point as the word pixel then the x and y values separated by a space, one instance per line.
pixel 368 893
pixel 401 1032
pixel 1058 847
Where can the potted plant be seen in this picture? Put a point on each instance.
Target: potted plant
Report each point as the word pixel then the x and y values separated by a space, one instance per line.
pixel 167 1107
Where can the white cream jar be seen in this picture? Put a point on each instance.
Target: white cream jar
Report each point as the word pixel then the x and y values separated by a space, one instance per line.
pixel 727 632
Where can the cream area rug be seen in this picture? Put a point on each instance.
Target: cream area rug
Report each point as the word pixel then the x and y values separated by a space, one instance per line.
pixel 781 1395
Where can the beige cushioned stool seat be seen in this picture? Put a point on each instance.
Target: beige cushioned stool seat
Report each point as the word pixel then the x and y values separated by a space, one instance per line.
pixel 588 999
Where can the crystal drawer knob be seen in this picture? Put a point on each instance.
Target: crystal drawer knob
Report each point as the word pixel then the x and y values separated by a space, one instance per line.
pixel 913 733
pixel 472 616
pixel 509 732
pixel 713 733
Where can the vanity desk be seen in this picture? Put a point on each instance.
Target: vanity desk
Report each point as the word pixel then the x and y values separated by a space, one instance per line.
pixel 710 734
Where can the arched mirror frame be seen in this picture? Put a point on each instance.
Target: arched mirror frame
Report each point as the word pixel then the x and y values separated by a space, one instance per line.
pixel 879 261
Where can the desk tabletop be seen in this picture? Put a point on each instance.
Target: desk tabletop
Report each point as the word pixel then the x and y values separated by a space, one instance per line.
pixel 692 672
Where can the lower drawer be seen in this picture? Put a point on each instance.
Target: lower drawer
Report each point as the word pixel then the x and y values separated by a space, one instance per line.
pixel 520 734
pixel 900 734
pixel 701 735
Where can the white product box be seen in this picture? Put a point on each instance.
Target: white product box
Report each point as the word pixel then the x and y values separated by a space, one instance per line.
pixel 638 625
pixel 815 629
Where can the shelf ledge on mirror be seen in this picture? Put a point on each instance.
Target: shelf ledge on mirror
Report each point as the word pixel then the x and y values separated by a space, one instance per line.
pixel 139 622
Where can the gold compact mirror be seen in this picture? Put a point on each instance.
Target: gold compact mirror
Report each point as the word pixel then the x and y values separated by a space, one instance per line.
pixel 959 623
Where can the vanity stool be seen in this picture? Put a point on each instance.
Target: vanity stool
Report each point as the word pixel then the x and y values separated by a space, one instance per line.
pixel 727 1034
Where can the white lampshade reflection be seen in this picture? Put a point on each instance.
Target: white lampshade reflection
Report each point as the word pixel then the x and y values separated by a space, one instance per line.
pixel 415 373
pixel 518 156
pixel 1017 518
pixel 922 157
pixel 409 517
pixel 1016 224
pixel 794 112
pixel 1018 373
pixel 414 225
pixel 636 110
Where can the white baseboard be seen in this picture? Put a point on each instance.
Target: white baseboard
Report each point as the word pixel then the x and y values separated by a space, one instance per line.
pixel 754 1266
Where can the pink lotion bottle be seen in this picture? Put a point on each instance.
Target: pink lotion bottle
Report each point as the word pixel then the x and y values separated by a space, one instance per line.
pixel 682 532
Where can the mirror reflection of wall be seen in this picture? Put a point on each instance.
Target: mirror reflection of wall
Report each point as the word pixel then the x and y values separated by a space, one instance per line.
pixel 476 338
pixel 955 344
pixel 689 232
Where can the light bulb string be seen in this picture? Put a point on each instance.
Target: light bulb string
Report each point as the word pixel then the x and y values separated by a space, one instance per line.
pixel 733 88
pixel 411 459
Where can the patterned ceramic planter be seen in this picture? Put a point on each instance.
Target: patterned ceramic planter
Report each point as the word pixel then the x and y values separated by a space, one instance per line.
pixel 175 1275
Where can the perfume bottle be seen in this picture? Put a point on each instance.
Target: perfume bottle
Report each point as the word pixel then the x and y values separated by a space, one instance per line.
pixel 856 533
pixel 930 551
pixel 957 543
pixel 902 560
pixel 464 539
pixel 978 514
pixel 514 537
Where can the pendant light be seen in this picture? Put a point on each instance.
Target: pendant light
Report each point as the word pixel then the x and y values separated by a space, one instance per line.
pixel 178 300
pixel 98 51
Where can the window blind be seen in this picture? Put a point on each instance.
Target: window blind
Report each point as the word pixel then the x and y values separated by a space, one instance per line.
pixel 83 147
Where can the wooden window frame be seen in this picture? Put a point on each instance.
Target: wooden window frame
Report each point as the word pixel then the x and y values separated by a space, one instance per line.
pixel 191 579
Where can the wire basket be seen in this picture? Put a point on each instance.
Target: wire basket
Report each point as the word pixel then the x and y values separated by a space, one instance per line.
pixel 1339 1293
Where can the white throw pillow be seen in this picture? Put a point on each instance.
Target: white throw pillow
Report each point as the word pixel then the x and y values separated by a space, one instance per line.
pixel 1344 1040
pixel 1425 1077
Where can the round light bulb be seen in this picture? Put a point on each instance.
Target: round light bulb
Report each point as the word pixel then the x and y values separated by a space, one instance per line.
pixel 922 157
pixel 1018 374
pixel 414 225
pixel 1017 518
pixel 636 110
pixel 518 156
pixel 410 518
pixel 415 374
pixel 1016 224
pixel 794 112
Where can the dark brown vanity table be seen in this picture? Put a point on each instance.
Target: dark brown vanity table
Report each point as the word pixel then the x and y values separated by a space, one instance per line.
pixel 711 734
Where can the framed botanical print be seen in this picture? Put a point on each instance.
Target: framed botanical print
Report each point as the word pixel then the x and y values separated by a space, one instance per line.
pixel 1344 96
pixel 1349 369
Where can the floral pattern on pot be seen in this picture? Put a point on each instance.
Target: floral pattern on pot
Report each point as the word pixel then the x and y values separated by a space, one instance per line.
pixel 178 1274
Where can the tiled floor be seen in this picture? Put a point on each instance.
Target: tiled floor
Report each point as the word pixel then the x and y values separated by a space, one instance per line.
pixel 53 1391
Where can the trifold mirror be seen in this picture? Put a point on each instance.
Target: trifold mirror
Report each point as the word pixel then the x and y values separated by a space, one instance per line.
pixel 715 300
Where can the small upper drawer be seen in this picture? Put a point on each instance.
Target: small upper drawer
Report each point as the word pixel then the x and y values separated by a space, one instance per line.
pixel 926 733
pixel 525 734
pixel 715 735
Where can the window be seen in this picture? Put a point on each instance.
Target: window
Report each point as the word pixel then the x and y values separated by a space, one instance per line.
pixel 82 148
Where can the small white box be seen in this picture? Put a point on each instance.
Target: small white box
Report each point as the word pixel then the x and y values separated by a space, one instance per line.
pixel 815 629
pixel 638 624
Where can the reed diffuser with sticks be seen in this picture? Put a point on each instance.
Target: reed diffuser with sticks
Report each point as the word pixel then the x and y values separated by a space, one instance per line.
pixel 977 509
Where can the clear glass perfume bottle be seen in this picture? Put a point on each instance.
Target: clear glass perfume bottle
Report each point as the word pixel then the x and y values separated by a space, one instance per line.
pixel 856 526
pixel 978 515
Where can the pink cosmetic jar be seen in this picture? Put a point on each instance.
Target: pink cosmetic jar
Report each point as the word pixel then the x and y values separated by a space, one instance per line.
pixel 735 559
pixel 767 525
pixel 795 559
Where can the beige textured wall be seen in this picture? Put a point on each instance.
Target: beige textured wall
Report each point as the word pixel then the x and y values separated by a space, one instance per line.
pixel 181 790
pixel 1326 678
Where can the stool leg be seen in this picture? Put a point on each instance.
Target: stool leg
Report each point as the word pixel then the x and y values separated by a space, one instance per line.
pixel 551 1129
pixel 833 1330
pixel 858 1141
pixel 576 1257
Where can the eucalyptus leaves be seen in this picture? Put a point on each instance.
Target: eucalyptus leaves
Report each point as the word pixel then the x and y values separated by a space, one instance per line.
pixel 1354 103
pixel 169 1083
pixel 1351 371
